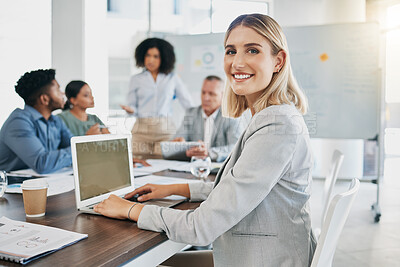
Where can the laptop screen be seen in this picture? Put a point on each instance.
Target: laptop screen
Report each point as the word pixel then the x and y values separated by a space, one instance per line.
pixel 103 166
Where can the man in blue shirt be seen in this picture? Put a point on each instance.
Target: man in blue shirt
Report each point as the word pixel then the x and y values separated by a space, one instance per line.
pixel 32 137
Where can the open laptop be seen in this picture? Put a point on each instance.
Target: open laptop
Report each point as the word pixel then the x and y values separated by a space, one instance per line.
pixel 103 166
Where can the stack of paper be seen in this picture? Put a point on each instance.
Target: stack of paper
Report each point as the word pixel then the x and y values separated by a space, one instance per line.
pixel 59 182
pixel 23 242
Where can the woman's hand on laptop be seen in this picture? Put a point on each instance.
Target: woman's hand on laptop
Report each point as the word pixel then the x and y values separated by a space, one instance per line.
pixel 119 208
pixel 116 207
pixel 150 191
pixel 157 191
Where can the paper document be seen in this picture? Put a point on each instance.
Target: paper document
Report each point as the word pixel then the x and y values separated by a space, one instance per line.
pixel 185 166
pixel 173 165
pixel 23 242
pixel 30 172
pixel 158 165
pixel 58 184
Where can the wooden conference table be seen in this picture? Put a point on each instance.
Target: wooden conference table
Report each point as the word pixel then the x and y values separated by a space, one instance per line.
pixel 110 242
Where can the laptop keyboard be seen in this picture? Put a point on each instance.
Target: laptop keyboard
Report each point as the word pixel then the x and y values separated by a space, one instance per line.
pixel 158 202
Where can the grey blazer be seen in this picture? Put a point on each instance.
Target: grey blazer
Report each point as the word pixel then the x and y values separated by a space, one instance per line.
pixel 257 211
pixel 223 138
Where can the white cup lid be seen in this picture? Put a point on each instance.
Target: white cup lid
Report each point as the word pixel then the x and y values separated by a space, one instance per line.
pixel 34 184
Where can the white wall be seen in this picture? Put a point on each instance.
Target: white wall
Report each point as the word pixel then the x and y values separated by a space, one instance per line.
pixel 318 12
pixel 95 53
pixel 65 35
pixel 123 35
pixel 298 13
pixel 80 47
pixel 25 45
pixel 343 11
pixel 67 40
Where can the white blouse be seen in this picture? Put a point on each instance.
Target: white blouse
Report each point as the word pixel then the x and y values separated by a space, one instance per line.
pixel 150 98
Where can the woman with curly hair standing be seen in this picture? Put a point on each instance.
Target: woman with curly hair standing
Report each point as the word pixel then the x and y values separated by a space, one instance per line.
pixel 151 94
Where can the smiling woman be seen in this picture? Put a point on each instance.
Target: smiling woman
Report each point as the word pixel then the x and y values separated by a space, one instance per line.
pixel 244 60
pixel 262 64
pixel 257 212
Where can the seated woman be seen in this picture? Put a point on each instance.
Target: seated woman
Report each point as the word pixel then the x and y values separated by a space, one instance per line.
pixel 80 98
pixel 257 211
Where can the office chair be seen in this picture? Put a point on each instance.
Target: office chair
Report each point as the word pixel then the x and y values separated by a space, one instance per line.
pixel 330 181
pixel 336 216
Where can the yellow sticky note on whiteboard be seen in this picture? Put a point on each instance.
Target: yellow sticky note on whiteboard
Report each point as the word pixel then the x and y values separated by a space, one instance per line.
pixel 324 57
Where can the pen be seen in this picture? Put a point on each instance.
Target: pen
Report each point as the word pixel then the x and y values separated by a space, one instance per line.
pixel 21 175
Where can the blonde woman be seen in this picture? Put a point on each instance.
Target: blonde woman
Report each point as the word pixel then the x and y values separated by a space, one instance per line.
pixel 257 212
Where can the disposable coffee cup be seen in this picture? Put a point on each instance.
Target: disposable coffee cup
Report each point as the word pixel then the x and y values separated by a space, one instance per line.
pixel 34 193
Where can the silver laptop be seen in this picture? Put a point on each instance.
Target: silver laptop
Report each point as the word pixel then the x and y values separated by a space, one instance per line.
pixel 103 166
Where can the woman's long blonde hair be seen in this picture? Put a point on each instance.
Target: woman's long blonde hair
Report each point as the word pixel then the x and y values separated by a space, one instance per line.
pixel 283 88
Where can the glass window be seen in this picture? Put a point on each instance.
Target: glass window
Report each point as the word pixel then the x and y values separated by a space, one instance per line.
pixel 163 17
pixel 134 9
pixel 392 135
pixel 225 11
pixel 193 16
pixel 392 17
pixel 180 17
pixel 393 55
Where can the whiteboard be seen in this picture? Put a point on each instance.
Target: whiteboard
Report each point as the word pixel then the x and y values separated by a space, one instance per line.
pixel 336 65
pixel 198 56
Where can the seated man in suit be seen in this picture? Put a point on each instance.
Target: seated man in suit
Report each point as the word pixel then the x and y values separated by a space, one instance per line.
pixel 32 137
pixel 206 124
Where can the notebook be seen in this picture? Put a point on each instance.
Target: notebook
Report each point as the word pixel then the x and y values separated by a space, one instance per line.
pixel 103 166
pixel 176 150
pixel 23 242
